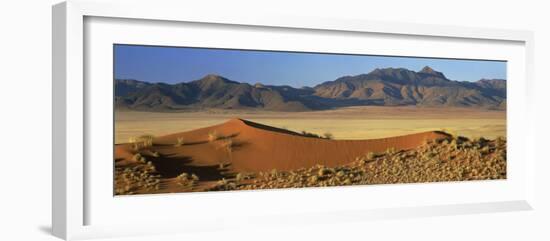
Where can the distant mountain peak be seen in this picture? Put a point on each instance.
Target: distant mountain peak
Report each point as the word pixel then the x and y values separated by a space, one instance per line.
pixel 259 85
pixel 211 79
pixel 430 71
pixel 427 69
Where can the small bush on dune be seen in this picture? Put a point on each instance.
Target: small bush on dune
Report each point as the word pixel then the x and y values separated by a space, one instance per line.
pixel 179 142
pixel 499 141
pixel 213 136
pixel 322 171
pixel 222 182
pixel 239 177
pixel 186 180
pixel 137 157
pixel 194 177
pixel 136 180
pixel 136 146
pixel 371 155
pixel 328 135
pixel 309 134
pixel 274 172
pixel 141 141
pixel 227 145
pixel 313 180
pixel 147 140
pixel 150 167
pixel 183 175
pixel 426 142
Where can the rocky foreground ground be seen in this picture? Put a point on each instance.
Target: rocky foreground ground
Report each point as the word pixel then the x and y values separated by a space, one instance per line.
pixel 448 159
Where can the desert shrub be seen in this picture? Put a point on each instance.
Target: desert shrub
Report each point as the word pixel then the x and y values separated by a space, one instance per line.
pixel 143 160
pixel 322 171
pixel 132 141
pixel 274 172
pixel 213 136
pixel 186 180
pixel 183 175
pixel 347 181
pixel 135 180
pixel 426 142
pixel 136 157
pixel 194 177
pixel 239 177
pixel 150 167
pixel 179 142
pixel 222 182
pixel 309 134
pixel 141 141
pixel 328 135
pixel 499 141
pixel 136 146
pixel 485 150
pixel 227 145
pixel 147 140
pixel 371 156
pixel 139 158
pixel 313 179
pixel 454 144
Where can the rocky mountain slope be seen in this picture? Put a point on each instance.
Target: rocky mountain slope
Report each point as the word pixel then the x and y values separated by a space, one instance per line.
pixel 382 87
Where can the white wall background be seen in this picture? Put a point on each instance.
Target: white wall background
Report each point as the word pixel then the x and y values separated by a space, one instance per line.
pixel 25 122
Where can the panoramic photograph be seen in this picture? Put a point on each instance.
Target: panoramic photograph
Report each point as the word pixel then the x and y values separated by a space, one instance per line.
pixel 190 119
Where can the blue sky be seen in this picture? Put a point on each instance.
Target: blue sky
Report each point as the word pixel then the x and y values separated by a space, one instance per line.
pixel 177 64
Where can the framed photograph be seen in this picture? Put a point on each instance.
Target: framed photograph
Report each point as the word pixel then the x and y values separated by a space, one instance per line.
pixel 174 121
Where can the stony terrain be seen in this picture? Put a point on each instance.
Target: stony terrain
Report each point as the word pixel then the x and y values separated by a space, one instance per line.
pixel 217 160
pixel 457 159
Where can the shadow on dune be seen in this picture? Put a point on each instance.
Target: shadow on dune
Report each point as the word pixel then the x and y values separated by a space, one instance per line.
pixel 269 128
pixel 239 145
pixel 172 166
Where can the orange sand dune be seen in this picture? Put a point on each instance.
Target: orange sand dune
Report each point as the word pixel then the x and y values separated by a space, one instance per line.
pixel 257 147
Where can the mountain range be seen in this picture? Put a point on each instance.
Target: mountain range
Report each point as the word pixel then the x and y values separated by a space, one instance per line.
pixel 380 87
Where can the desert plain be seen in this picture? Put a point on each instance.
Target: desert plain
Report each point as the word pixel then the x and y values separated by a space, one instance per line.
pixel 353 123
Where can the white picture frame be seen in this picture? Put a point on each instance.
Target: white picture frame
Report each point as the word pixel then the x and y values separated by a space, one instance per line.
pixel 71 113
